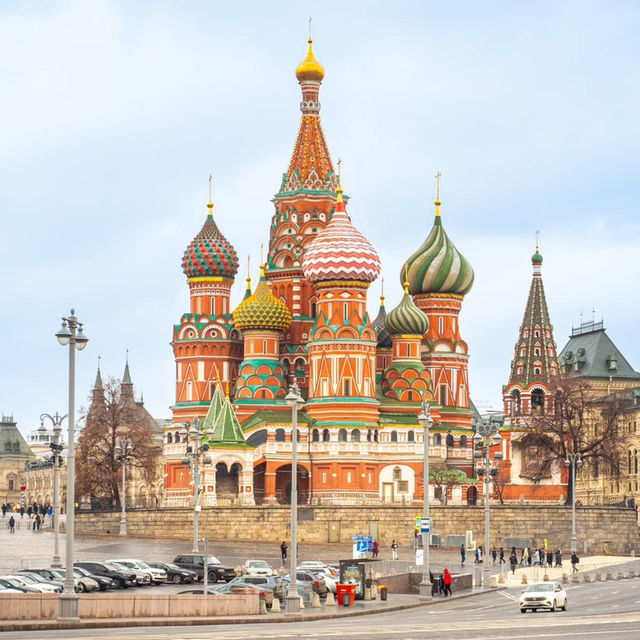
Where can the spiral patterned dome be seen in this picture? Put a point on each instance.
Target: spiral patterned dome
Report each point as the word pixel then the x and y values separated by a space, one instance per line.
pixel 437 266
pixel 406 318
pixel 340 252
pixel 210 254
pixel 262 310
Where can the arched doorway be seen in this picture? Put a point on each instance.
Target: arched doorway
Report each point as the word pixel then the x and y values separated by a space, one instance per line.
pixel 227 481
pixel 472 495
pixel 283 485
pixel 258 482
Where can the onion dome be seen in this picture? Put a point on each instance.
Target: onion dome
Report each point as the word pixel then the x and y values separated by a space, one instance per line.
pixel 210 254
pixel 262 310
pixel 536 258
pixel 437 266
pixel 384 340
pixel 310 69
pixel 340 251
pixel 406 318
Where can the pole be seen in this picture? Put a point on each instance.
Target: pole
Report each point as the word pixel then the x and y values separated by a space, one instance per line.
pixel 574 534
pixel 69 599
pixel 487 506
pixel 205 577
pixel 425 585
pixel 196 494
pixel 123 518
pixel 56 510
pixel 293 599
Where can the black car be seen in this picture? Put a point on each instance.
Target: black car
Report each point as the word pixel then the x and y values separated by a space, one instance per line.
pixel 121 579
pixel 175 574
pixel 215 569
pixel 104 581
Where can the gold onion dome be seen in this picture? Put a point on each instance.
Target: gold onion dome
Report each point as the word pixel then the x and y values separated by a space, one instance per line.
pixel 437 266
pixel 310 69
pixel 406 318
pixel 262 310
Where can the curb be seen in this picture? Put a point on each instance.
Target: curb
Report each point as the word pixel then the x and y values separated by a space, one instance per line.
pixel 111 623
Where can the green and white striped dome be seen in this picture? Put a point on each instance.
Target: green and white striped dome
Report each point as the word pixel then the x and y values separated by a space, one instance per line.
pixel 437 266
pixel 406 318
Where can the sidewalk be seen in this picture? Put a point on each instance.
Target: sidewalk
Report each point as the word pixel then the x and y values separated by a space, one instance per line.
pixel 396 602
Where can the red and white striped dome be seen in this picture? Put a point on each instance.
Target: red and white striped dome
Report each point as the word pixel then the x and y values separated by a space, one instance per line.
pixel 340 252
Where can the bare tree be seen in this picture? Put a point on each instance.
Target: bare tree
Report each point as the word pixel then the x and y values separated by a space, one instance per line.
pixel 580 422
pixel 498 483
pixel 113 415
pixel 445 478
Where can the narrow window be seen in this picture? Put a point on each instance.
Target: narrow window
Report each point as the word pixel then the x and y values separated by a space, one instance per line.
pixel 441 324
pixel 443 395
pixel 347 387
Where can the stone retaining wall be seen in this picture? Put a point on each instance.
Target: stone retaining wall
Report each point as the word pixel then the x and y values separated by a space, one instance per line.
pixel 321 524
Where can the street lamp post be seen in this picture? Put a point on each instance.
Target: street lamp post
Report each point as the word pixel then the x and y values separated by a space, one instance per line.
pixel 425 419
pixel 71 335
pixel 195 435
pixel 295 401
pixel 123 451
pixel 56 450
pixel 487 434
pixel 572 460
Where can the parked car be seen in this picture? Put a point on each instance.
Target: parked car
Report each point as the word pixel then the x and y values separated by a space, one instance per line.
pixel 156 576
pixel 175 574
pixel 103 581
pixel 330 575
pixel 142 578
pixel 38 578
pixel 256 568
pixel 265 594
pixel 215 569
pixel 5 589
pixel 58 576
pixel 12 583
pixel 317 582
pixel 121 579
pixel 41 585
pixel 543 595
pixel 198 592
pixel 264 582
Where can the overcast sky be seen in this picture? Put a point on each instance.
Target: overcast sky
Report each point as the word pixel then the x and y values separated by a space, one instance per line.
pixel 113 114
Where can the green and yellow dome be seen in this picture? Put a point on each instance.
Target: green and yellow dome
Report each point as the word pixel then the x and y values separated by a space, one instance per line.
pixel 262 310
pixel 406 318
pixel 437 266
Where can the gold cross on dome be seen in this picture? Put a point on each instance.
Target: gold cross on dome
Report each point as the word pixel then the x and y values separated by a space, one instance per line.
pixel 438 174
pixel 210 181
pixel 339 163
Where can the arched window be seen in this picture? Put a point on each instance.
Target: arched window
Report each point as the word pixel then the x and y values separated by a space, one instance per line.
pixel 169 438
pixel 515 403
pixel 342 435
pixel 394 436
pixel 326 436
pixel 355 435
pixel 369 435
pixel 437 439
pixel 280 435
pixel 537 400
pixel 463 442
pixel 635 463
pixel 411 436
pixel 449 440
pixel 315 436
pixel 375 435
pixel 629 461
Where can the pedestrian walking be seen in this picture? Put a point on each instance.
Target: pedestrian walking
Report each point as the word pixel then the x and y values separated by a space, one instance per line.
pixel 434 584
pixel 12 525
pixel 525 556
pixel 441 584
pixel 536 558
pixel 558 557
pixel 574 562
pixel 549 558
pixel 394 550
pixel 375 548
pixel 283 551
pixel 463 554
pixel 494 554
pixel 501 555
pixel 447 579
pixel 4 510
pixel 513 560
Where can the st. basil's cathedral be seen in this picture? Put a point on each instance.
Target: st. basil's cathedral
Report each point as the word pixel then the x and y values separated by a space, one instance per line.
pixel 362 379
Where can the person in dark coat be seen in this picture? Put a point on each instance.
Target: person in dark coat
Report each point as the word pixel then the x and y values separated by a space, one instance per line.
pixel 574 562
pixel 463 554
pixel 558 557
pixel 513 560
pixel 375 548
pixel 501 555
pixel 434 584
pixel 12 525
pixel 441 583
pixel 283 551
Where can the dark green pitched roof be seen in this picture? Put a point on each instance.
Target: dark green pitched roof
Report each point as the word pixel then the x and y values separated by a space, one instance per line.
pixel 12 443
pixel 590 353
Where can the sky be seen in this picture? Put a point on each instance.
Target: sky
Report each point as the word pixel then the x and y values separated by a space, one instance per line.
pixel 113 115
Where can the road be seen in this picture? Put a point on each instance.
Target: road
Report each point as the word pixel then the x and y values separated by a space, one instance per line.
pixel 609 610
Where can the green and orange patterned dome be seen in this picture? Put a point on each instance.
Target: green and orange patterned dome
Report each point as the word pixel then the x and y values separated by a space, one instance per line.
pixel 406 318
pixel 210 254
pixel 437 266
pixel 262 310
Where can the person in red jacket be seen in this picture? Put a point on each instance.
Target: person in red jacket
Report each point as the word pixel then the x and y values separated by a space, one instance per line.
pixel 448 579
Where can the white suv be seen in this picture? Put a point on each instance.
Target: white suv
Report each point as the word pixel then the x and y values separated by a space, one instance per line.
pixel 257 568
pixel 543 595
pixel 157 576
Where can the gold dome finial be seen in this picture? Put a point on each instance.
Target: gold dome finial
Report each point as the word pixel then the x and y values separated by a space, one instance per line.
pixel 382 293
pixel 437 202
pixel 339 189
pixel 210 203
pixel 310 70
pixel 406 280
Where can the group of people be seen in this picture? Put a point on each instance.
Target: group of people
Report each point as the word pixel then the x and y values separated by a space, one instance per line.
pixel 541 558
pixel 38 515
pixel 441 585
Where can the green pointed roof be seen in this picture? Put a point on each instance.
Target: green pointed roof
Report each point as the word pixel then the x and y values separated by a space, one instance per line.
pixel 215 407
pixel 227 429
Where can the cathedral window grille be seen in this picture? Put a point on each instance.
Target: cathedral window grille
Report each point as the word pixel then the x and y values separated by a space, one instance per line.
pixel 397 473
pixel 536 352
pixel 169 438
pixel 443 394
pixel 629 462
pixel 355 435
pixel 437 439
pixel 411 436
pixel 342 435
pixel 536 371
pixel 375 436
pixel 536 334
pixel 449 440
pixel 347 387
pixel 11 481
pixel 280 437
pixel 326 436
pixel 315 436
pixel 394 436
pixel 463 442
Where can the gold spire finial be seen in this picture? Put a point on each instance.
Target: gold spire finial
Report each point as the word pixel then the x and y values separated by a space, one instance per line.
pixel 382 293
pixel 339 189
pixel 406 280
pixel 226 389
pixel 437 202
pixel 248 272
pixel 210 203
pixel 537 241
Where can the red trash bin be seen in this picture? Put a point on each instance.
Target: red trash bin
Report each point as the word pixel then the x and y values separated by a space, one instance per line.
pixel 346 590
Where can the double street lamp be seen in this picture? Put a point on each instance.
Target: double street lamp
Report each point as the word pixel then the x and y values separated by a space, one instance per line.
pixel 487 434
pixel 123 451
pixel 572 460
pixel 425 419
pixel 71 335
pixel 194 435
pixel 56 449
pixel 296 402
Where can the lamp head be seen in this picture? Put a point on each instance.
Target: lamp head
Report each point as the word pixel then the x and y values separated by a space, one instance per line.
pixel 64 334
pixel 293 398
pixel 80 339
